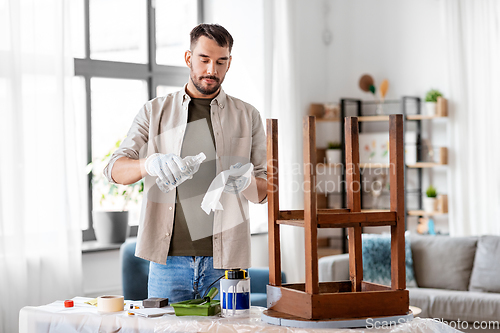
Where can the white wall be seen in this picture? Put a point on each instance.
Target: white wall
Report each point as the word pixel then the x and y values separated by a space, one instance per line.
pixel 398 40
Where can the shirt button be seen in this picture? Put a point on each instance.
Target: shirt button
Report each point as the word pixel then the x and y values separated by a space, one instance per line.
pixel 167 234
pixel 170 208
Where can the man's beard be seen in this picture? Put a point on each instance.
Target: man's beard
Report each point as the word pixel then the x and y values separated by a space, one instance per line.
pixel 198 84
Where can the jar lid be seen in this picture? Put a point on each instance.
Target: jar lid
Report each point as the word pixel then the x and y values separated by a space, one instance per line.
pixel 235 274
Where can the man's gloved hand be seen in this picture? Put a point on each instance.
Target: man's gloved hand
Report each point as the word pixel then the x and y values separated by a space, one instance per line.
pixel 170 169
pixel 237 184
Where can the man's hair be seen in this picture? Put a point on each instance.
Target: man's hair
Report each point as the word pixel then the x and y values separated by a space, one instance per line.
pixel 213 31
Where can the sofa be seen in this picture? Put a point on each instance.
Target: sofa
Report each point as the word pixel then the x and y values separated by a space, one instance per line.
pixel 450 278
pixel 135 273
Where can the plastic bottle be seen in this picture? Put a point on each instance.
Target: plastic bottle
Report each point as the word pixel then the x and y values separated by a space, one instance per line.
pixel 193 165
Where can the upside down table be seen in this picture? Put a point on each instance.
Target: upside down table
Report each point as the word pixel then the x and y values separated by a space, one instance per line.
pixel 54 317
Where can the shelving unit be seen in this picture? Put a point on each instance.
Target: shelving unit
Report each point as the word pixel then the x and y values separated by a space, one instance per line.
pixel 397 106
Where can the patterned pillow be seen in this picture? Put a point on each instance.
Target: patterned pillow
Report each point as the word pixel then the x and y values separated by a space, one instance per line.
pixel 377 260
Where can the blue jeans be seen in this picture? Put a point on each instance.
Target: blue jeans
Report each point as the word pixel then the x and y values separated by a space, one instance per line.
pixel 183 278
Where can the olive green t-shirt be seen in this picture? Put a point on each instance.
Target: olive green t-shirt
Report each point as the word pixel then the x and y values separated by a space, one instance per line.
pixel 193 228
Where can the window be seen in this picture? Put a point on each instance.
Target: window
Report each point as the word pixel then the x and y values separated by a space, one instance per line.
pixel 126 52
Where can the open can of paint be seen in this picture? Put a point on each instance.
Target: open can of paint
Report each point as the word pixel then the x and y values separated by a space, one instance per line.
pixel 235 294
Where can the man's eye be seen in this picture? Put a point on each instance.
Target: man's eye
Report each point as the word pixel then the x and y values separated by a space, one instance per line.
pixel 220 63
pixel 205 61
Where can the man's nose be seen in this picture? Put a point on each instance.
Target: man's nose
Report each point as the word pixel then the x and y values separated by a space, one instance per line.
pixel 211 68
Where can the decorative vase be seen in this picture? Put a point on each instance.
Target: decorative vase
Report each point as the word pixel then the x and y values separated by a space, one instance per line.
pixel 429 205
pixel 334 156
pixel 430 108
pixel 110 227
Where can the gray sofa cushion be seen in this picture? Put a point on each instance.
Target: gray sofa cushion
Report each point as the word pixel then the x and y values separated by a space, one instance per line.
pixel 443 262
pixel 454 305
pixel 486 271
pixel 421 299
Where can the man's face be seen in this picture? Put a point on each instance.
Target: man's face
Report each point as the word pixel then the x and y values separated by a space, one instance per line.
pixel 209 64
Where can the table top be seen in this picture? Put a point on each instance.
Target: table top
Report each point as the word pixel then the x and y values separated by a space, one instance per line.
pixel 54 317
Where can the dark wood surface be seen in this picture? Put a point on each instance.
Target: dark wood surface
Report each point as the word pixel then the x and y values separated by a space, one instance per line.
pixel 360 304
pixel 310 209
pixel 357 217
pixel 299 214
pixel 338 305
pixel 370 286
pixel 288 300
pixel 353 186
pixel 396 149
pixel 324 287
pixel 273 203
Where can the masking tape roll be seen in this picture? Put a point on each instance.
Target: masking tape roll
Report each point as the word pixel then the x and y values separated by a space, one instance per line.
pixel 110 303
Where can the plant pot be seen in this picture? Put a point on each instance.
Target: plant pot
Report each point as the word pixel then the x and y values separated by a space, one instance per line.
pixel 333 156
pixel 430 108
pixel 429 205
pixel 110 227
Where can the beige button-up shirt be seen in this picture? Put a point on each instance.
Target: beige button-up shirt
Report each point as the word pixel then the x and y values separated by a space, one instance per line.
pixel 159 127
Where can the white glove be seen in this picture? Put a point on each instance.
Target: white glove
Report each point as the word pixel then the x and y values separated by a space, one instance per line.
pixel 170 169
pixel 236 184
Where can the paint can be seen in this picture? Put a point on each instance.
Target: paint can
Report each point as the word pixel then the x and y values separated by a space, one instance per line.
pixel 235 293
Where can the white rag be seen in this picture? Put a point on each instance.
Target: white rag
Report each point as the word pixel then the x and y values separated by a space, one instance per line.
pixel 211 199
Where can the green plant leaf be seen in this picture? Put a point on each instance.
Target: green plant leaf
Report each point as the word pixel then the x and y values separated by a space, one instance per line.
pixel 334 145
pixel 432 95
pixel 431 192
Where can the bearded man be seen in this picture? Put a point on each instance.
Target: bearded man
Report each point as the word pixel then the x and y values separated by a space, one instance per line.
pixel 189 250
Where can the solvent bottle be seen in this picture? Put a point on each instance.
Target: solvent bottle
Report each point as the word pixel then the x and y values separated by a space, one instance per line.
pixel 193 165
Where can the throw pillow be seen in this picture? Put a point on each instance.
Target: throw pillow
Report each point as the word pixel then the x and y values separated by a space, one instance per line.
pixel 486 269
pixel 443 262
pixel 377 260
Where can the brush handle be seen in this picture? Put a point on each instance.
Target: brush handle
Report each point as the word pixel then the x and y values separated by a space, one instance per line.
pixel 212 293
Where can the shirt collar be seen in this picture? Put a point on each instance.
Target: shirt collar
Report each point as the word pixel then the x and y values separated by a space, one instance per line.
pixel 220 99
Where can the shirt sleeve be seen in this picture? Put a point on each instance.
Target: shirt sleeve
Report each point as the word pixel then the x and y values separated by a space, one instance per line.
pixel 259 148
pixel 135 144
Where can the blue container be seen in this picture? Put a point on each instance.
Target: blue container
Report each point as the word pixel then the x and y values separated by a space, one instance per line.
pixel 235 297
pixel 240 302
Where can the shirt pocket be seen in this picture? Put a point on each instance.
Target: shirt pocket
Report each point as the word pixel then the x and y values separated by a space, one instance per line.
pixel 240 150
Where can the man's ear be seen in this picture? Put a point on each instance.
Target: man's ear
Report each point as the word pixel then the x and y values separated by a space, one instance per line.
pixel 229 63
pixel 187 58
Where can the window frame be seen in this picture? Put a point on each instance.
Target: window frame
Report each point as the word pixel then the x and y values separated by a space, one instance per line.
pixel 150 72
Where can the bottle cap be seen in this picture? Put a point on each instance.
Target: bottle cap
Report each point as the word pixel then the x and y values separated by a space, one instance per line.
pixel 69 303
pixel 201 157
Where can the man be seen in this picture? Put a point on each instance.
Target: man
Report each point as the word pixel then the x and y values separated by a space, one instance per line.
pixel 189 249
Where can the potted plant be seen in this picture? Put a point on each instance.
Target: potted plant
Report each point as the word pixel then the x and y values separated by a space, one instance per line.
pixel 111 202
pixel 430 199
pixel 334 153
pixel 430 101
